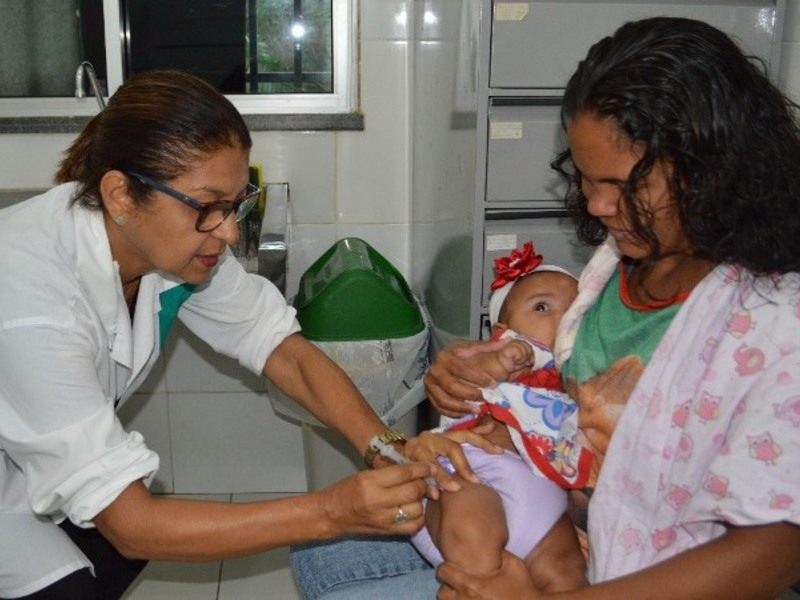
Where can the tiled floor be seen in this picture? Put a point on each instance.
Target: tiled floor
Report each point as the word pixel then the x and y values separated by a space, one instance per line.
pixel 264 576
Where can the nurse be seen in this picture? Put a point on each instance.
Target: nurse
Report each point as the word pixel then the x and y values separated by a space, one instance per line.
pixel 94 273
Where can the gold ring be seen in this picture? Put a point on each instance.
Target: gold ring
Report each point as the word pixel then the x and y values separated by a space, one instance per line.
pixel 401 516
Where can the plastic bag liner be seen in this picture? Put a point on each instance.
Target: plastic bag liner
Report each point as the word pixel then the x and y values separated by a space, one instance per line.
pixel 358 309
pixel 388 372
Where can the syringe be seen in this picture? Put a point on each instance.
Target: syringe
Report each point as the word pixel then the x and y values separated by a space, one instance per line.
pixel 392 454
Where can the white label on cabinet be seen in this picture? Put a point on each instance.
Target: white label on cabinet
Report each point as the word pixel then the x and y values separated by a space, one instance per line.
pixel 505 131
pixel 504 241
pixel 510 11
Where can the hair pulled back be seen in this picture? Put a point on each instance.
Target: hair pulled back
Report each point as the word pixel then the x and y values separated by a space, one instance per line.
pixel 157 123
pixel 688 95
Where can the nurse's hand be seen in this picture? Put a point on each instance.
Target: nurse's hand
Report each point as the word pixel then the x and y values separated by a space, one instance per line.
pixel 383 501
pixel 510 581
pixel 429 446
pixel 459 371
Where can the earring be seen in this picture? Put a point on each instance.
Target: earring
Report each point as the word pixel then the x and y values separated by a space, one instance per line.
pixel 119 219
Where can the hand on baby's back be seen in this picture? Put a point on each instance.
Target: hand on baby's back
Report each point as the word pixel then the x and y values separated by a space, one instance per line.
pixel 602 398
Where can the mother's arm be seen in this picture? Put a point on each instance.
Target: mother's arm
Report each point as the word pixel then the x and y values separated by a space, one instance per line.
pixel 744 563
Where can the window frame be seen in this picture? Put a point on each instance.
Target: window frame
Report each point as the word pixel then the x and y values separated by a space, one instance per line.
pixel 344 98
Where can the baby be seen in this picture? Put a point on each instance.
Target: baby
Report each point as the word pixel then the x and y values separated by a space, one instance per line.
pixel 523 491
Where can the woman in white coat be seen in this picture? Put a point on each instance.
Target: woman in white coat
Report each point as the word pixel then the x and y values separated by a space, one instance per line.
pixel 96 270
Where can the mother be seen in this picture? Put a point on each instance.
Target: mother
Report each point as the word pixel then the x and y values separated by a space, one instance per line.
pixel 682 166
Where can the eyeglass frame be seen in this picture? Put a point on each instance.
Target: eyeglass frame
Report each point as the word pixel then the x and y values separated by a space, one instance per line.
pixel 251 195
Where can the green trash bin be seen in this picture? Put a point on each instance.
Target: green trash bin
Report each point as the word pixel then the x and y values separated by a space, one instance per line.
pixel 353 293
pixel 358 309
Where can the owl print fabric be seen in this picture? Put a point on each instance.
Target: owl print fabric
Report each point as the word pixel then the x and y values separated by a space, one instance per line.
pixel 711 432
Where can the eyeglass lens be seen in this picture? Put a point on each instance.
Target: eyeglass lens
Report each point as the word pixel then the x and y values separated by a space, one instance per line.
pixel 212 216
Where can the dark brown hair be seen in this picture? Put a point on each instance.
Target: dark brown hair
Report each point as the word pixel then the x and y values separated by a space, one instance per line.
pixel 692 98
pixel 157 123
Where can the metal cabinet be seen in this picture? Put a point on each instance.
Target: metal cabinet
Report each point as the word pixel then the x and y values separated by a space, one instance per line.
pixel 522 133
pixel 527 50
pixel 536 44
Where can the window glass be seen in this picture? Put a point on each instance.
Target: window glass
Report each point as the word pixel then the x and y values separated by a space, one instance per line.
pixel 43 42
pixel 239 46
pixel 269 56
pixel 292 49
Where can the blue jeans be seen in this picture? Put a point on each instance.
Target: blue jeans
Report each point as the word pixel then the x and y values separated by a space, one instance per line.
pixel 362 568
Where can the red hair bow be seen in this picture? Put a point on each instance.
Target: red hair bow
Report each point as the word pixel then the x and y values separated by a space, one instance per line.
pixel 510 268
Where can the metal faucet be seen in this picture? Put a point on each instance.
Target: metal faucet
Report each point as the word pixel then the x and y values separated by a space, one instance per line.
pixel 86 67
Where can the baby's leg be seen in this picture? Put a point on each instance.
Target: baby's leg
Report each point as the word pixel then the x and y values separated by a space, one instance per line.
pixel 469 527
pixel 556 563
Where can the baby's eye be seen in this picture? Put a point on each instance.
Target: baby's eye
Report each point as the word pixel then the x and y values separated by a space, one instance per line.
pixel 541 307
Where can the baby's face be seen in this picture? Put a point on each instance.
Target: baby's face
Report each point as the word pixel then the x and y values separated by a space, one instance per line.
pixel 536 303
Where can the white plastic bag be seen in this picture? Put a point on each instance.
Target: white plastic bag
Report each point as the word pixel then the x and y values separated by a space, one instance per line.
pixel 387 372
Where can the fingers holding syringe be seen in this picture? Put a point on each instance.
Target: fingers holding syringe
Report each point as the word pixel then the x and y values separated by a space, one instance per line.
pixel 430 447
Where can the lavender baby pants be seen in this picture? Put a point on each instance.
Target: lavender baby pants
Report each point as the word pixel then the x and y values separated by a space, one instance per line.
pixel 532 503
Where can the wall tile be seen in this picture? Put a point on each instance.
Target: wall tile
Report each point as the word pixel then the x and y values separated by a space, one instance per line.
pixel 193 366
pixel 385 19
pixel 251 576
pixel 176 580
pixel 307 161
pixel 233 443
pixel 791 27
pixel 156 380
pixel 31 161
pixel 372 165
pixel 789 79
pixel 265 575
pixel 436 19
pixel 148 414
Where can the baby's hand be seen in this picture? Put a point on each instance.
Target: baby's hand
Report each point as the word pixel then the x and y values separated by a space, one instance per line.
pixel 516 356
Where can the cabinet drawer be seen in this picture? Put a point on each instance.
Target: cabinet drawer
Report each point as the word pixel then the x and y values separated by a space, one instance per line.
pixel 553 237
pixel 523 139
pixel 538 44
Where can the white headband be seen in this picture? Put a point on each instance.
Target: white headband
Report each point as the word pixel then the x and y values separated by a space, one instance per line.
pixel 499 295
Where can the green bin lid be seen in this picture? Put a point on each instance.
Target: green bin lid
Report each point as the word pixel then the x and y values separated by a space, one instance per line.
pixel 353 293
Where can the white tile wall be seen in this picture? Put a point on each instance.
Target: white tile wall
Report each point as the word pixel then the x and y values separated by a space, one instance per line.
pixel 233 442
pixel 789 78
pixel 385 20
pixel 192 366
pixel 307 160
pixel 31 161
pixel 148 413
pixel 372 166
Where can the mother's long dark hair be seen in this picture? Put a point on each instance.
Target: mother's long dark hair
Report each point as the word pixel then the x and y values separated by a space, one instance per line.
pixel 689 95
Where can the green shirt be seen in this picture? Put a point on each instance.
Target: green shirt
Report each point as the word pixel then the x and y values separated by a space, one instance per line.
pixel 614 328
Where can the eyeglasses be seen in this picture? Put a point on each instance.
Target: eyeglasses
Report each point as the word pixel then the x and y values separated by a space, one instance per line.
pixel 213 214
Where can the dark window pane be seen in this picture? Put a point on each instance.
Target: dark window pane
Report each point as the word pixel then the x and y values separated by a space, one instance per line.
pixel 43 42
pixel 239 46
pixel 205 38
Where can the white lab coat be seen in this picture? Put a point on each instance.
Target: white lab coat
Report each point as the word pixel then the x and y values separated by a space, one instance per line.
pixel 69 356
